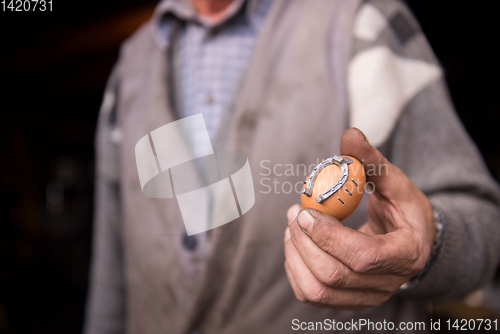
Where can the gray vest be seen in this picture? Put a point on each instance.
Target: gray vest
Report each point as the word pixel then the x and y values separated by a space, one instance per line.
pixel 290 111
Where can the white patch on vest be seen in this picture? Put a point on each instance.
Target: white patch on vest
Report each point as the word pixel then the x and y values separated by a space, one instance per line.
pixel 369 23
pixel 380 84
pixel 116 135
pixel 108 102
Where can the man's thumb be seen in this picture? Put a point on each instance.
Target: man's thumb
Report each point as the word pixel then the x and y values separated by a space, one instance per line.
pixel 380 173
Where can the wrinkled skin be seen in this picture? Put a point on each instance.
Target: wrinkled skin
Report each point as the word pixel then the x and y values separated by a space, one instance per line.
pixel 331 265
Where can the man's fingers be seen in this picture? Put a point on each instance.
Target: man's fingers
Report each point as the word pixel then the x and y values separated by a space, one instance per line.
pixel 292 212
pixel 331 272
pixel 293 283
pixel 390 253
pixel 313 292
pixel 296 290
pixel 400 203
pixel 353 248
pixel 387 179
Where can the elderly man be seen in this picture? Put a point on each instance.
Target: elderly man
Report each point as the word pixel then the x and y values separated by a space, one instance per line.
pixel 281 81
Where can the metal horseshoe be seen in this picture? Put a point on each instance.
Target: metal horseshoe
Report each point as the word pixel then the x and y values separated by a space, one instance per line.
pixel 342 162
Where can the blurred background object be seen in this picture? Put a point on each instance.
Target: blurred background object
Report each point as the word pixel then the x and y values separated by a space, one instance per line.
pixel 53 69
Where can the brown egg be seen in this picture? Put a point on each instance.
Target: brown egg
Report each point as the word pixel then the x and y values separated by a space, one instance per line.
pixel 336 187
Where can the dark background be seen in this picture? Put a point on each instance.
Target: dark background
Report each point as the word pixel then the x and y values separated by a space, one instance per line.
pixel 53 68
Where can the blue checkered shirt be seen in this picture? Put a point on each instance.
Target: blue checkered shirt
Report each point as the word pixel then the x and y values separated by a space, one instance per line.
pixel 213 57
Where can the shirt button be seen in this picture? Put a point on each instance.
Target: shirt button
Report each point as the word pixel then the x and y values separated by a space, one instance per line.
pixel 209 99
pixel 189 242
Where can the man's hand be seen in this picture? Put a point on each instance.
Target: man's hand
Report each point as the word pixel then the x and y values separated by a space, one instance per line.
pixel 329 264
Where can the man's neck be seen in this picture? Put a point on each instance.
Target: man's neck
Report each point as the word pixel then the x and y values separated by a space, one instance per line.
pixel 211 9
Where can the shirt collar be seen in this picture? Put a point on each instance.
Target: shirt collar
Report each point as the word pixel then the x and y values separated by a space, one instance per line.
pixel 167 10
